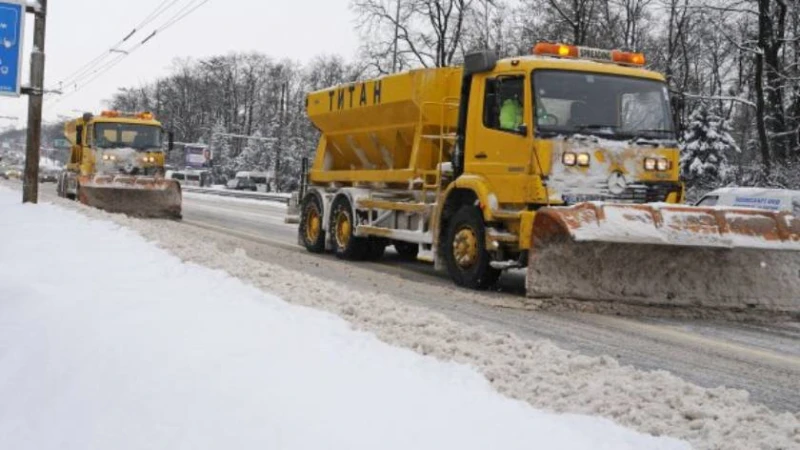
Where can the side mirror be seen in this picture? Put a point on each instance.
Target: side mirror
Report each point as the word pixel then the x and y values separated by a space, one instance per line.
pixel 522 129
pixel 481 61
pixel 79 135
pixel 171 144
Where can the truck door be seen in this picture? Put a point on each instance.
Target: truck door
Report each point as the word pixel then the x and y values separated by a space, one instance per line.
pixel 498 145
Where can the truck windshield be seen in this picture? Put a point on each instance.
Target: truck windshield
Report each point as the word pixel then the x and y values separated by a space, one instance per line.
pixel 610 106
pixel 125 135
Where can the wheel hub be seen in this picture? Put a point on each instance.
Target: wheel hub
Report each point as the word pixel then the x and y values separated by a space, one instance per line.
pixel 343 228
pixel 465 248
pixel 312 224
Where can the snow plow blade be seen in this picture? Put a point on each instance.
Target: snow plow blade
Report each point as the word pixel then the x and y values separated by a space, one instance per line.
pixel 667 255
pixel 136 196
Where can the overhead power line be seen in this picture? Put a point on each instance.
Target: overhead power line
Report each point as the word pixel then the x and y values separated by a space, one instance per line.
pixel 190 7
pixel 89 66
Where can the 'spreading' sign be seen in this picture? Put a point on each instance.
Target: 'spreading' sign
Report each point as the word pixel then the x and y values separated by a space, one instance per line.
pixel 12 22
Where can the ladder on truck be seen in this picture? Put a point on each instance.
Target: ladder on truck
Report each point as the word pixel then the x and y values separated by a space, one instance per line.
pixel 378 209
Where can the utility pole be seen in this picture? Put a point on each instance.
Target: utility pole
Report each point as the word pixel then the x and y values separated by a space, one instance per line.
pixel 396 37
pixel 281 133
pixel 30 184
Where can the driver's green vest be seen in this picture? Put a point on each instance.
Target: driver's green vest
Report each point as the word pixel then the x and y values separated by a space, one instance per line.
pixel 510 115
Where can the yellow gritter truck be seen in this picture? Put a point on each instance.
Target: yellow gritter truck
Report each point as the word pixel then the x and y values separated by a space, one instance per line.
pixel 482 168
pixel 117 164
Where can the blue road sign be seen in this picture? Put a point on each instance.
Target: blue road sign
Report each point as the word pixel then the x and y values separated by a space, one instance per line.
pixel 12 22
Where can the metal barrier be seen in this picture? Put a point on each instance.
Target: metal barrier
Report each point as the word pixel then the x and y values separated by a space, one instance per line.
pixel 266 196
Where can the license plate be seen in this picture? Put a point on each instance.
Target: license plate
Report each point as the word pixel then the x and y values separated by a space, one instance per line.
pixel 578 198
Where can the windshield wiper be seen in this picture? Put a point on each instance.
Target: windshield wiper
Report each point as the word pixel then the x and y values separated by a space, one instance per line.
pixel 595 126
pixel 639 133
pixel 598 128
pixel 640 137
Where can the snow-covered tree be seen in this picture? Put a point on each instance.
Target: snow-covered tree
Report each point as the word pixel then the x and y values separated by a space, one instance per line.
pixel 224 161
pixel 252 157
pixel 706 143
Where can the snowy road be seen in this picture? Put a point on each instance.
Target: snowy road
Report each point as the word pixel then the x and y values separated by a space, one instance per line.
pixel 764 360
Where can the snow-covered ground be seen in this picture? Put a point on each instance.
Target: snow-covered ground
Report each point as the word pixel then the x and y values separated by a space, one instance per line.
pixel 107 341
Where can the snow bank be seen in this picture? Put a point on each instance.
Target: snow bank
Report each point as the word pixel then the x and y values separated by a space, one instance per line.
pixel 109 342
pixel 535 371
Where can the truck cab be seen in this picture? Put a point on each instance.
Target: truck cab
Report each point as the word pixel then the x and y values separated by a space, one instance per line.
pixel 110 144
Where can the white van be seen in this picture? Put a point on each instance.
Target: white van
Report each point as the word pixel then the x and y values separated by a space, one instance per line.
pixel 261 179
pixel 198 178
pixel 760 198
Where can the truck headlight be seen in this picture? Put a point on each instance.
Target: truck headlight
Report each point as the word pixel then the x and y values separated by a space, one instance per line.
pixel 584 159
pixel 656 164
pixel 569 159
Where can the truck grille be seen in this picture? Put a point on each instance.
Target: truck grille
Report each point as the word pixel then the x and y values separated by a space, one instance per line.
pixel 635 193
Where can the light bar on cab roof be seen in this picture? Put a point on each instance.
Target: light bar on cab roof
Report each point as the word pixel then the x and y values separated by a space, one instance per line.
pixel 594 54
pixel 142 115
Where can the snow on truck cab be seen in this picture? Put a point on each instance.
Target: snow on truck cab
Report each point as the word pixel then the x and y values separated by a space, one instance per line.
pixel 481 167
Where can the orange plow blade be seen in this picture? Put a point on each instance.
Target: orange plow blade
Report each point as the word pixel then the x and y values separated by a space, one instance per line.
pixel 660 254
pixel 135 196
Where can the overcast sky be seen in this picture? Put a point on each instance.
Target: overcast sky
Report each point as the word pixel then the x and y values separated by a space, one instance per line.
pixel 80 30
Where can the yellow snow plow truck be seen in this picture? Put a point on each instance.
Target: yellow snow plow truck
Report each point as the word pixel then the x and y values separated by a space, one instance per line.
pixel 117 164
pixel 564 161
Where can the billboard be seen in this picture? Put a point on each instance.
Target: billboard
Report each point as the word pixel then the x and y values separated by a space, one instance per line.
pixel 197 156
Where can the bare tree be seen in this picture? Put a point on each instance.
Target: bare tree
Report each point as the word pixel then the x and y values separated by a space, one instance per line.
pixel 423 33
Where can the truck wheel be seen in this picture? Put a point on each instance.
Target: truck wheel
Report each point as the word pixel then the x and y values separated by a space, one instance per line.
pixel 465 250
pixel 346 245
pixel 377 247
pixel 406 250
pixel 311 231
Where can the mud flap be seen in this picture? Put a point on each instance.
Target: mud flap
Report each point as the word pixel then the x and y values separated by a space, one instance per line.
pixel 667 256
pixel 145 197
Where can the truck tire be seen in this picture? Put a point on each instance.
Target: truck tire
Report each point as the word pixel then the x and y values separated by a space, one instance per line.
pixel 377 247
pixel 342 225
pixel 406 250
pixel 465 250
pixel 60 186
pixel 310 229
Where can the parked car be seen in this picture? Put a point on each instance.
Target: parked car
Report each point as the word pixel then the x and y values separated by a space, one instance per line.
pixel 198 178
pixel 48 176
pixel 241 184
pixel 261 179
pixel 13 174
pixel 760 198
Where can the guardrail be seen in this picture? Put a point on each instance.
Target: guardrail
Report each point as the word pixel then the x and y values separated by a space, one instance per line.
pixel 267 196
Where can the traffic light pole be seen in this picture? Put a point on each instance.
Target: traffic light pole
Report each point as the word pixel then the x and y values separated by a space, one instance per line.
pixel 30 184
